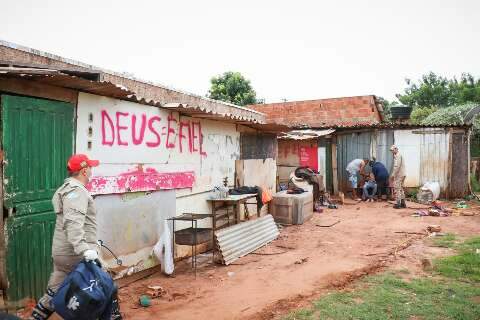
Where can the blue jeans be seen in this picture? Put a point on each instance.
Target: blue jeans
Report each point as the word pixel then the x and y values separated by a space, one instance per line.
pixel 369 190
pixel 353 178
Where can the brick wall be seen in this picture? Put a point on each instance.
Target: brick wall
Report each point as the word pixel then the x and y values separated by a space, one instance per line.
pixel 322 113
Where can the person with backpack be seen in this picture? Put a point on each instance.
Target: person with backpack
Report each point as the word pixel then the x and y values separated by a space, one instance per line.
pixel 75 235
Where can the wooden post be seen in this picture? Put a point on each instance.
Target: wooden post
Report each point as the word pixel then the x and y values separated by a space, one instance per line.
pixel 450 164
pixel 334 166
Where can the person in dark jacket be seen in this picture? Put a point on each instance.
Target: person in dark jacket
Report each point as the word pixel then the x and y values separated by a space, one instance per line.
pixel 381 177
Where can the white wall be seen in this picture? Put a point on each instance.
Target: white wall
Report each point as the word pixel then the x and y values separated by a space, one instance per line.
pixel 322 161
pixel 209 151
pixel 130 224
pixel 409 146
pixel 185 155
pixel 425 152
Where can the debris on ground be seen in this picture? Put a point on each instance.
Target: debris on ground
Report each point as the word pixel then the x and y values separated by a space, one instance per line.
pixel 462 205
pixel 361 244
pixel 434 228
pixel 328 225
pixel 156 292
pixel 285 247
pixel 437 209
pixel 145 301
pixel 410 232
pixel 426 264
pixel 303 260
pixel 269 253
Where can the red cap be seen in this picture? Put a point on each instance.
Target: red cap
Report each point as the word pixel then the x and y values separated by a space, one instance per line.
pixel 79 161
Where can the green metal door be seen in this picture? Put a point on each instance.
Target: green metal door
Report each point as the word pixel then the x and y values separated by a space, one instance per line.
pixel 37 141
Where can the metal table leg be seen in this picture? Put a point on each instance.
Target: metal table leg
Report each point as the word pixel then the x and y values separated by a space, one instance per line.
pixel 173 242
pixel 194 231
pixel 213 232
pixel 195 247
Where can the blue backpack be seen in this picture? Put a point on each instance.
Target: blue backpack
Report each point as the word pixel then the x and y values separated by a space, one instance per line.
pixel 85 294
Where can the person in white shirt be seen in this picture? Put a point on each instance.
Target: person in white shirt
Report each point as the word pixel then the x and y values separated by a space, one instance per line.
pixel 354 168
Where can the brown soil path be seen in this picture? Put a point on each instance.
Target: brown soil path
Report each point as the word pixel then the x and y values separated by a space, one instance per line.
pixel 310 260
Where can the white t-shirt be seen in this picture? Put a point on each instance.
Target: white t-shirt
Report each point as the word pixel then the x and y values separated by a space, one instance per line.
pixel 354 166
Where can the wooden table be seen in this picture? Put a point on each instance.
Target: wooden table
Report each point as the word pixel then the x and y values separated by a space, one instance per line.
pixel 234 202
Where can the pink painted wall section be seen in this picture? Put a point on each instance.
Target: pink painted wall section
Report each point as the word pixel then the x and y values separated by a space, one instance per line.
pixel 147 180
pixel 298 153
pixel 185 152
pixel 308 157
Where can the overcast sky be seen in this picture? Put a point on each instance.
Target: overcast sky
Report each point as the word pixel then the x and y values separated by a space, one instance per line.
pixel 295 50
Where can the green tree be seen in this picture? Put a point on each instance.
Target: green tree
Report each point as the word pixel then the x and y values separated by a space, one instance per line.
pixel 420 113
pixel 467 89
pixel 387 115
pixel 232 87
pixel 433 90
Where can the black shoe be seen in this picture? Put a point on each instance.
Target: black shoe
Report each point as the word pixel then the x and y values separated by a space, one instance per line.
pixel 403 204
pixel 397 205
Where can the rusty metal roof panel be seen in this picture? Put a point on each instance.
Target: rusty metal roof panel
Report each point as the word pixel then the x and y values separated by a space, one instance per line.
pixel 384 125
pixel 305 134
pixel 222 111
pixel 57 78
pixel 241 239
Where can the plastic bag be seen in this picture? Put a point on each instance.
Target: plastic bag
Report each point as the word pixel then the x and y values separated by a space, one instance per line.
pixel 266 196
pixel 434 187
pixel 163 250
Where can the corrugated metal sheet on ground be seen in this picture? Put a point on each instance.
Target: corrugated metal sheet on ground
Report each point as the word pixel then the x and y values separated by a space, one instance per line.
pixel 241 239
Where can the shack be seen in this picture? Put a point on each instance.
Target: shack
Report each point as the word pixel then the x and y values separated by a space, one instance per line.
pixel 162 152
pixel 327 134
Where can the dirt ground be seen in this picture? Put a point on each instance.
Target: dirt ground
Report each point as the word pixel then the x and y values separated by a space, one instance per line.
pixel 302 264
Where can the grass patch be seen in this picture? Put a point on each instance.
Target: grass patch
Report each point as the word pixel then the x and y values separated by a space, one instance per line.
pixel 446 241
pixel 465 266
pixel 475 184
pixel 452 295
pixel 301 314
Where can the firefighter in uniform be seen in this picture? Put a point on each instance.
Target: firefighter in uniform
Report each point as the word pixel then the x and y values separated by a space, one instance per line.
pixel 398 177
pixel 75 236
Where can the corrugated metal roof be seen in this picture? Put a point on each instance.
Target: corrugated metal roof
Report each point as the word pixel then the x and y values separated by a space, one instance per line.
pixel 241 239
pixel 387 125
pixel 104 88
pixel 84 66
pixel 305 134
